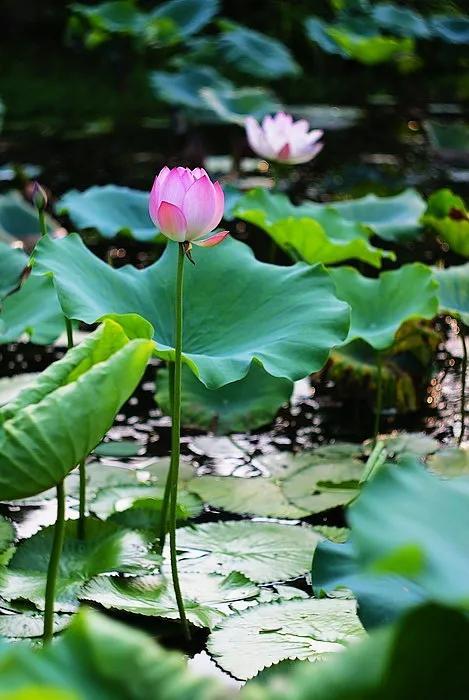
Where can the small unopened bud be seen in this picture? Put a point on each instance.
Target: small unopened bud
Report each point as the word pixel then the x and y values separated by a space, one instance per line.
pixel 39 197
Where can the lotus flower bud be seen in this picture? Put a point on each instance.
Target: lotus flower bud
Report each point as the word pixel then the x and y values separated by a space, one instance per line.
pixel 186 206
pixel 39 196
pixel 281 139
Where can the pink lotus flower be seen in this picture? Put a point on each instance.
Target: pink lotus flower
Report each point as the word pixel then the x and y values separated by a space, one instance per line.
pixel 186 205
pixel 283 140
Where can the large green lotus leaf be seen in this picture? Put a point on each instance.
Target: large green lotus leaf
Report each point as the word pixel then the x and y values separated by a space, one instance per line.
pixel 453 292
pixel 33 310
pixel 422 655
pixel 7 538
pixel 59 419
pixel 380 306
pixel 236 407
pixel 450 461
pixel 107 548
pixel 382 598
pixel 309 232
pixel 18 219
pixel 256 54
pixel 227 326
pixel 308 629
pixel 184 88
pixel 116 499
pixel 13 261
pixel 262 551
pixel 207 597
pixel 296 486
pixel 395 218
pixel 370 50
pixel 447 215
pixel 99 658
pixel 235 104
pixel 28 625
pixel 400 20
pixel 317 31
pixel 411 523
pixel 453 28
pixel 188 16
pixel 111 210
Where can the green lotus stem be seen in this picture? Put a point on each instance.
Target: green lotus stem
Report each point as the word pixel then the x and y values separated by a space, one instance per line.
pixel 70 344
pixel 375 460
pixel 167 488
pixel 53 567
pixel 463 382
pixel 379 396
pixel 176 440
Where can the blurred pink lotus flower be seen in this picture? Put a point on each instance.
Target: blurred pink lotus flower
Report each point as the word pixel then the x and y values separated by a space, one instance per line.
pixel 281 139
pixel 186 205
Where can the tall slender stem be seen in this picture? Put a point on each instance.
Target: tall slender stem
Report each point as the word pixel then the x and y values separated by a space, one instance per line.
pixel 167 488
pixel 54 561
pixel 176 439
pixel 463 382
pixel 379 396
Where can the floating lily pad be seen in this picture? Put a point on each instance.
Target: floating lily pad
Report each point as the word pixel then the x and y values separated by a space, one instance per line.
pixel 107 549
pixel 380 306
pixel 34 311
pixel 27 625
pixel 264 552
pixel 110 209
pixel 207 597
pixel 309 232
pixel 117 499
pixel 236 407
pixel 395 218
pixel 453 292
pixel 399 444
pixel 450 461
pixel 118 448
pixel 233 105
pixel 297 486
pixel 309 629
pixel 256 321
pixel 12 264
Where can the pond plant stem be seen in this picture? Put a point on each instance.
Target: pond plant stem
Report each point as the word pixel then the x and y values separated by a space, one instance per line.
pixel 53 567
pixel 463 382
pixel 176 439
pixel 70 343
pixel 167 488
pixel 379 396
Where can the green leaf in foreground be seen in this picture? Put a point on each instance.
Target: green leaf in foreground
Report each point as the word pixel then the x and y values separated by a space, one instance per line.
pixel 262 551
pixel 46 430
pixel 380 306
pixel 107 549
pixel 308 629
pixel 297 485
pixel 227 326
pixel 453 291
pixel 408 543
pixel 112 210
pixel 7 538
pixel 208 598
pixel 101 659
pixel 236 407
